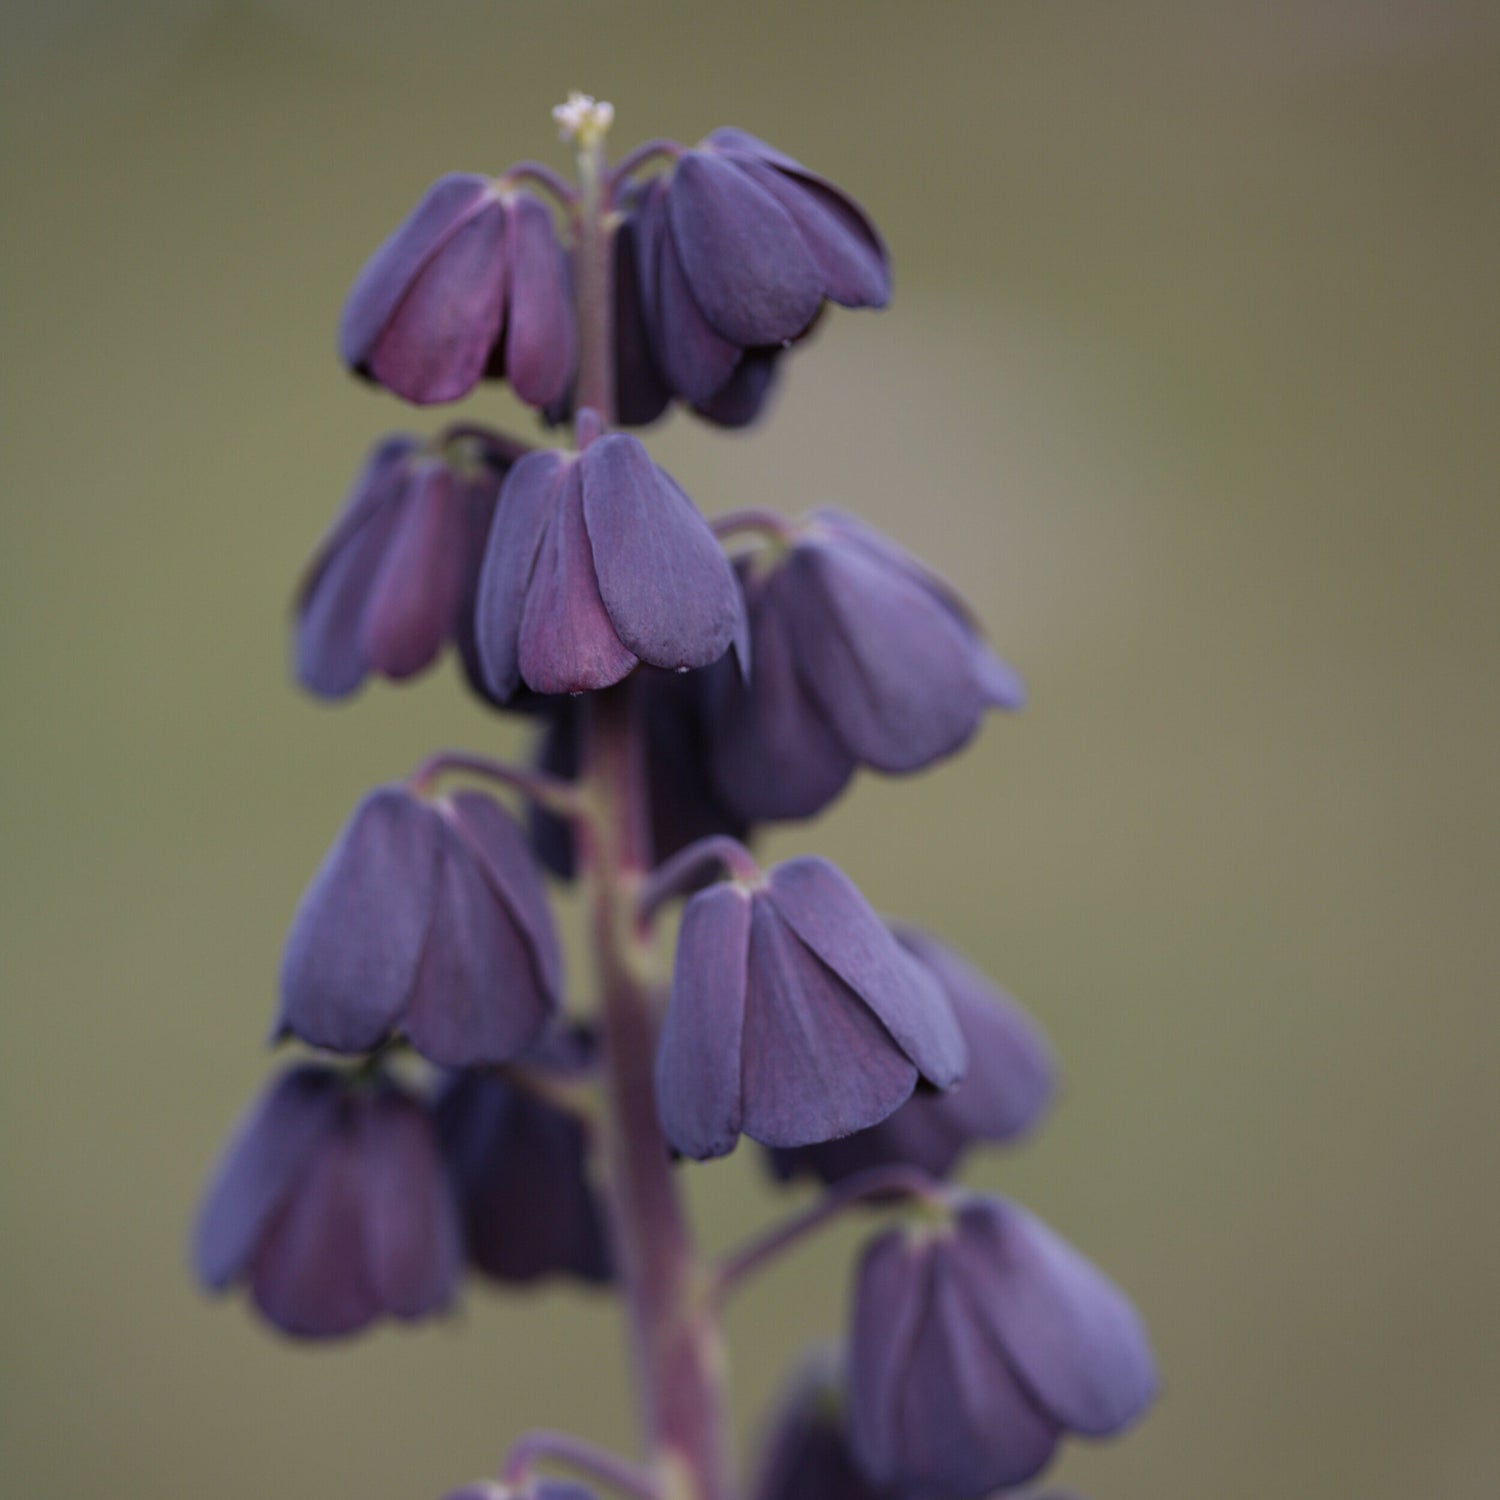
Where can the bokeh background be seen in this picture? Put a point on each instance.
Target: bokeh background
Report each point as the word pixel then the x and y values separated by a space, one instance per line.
pixel 1190 383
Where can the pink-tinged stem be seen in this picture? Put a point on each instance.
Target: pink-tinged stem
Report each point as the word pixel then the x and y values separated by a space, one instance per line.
pixel 592 263
pixel 547 791
pixel 563 1448
pixel 546 178
pixel 676 874
pixel 678 1352
pixel 879 1184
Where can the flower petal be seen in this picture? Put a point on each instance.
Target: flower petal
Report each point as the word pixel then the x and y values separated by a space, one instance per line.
pixel 698 1061
pixel 541 342
pixel 669 590
pixel 821 905
pixel 694 358
pixel 356 943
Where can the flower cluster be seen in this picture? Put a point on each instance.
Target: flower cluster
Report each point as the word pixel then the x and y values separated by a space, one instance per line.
pixel 690 681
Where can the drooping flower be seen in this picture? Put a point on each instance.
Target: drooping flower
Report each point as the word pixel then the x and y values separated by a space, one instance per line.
pixel 976 1346
pixel 535 1488
pixel 1006 1088
pixel 795 1016
pixel 805 1454
pixel 473 283
pixel 394 580
pixel 736 248
pixel 685 804
pixel 427 919
pixel 597 562
pixel 332 1204
pixel 521 1166
pixel 860 656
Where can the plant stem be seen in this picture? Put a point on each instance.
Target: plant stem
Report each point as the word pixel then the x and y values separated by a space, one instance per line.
pixel 595 288
pixel 679 1359
pixel 563 1448
pixel 879 1184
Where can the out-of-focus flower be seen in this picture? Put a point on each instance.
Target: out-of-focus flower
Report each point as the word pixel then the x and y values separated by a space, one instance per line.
pixel 522 1170
pixel 530 1489
pixel 333 1205
pixel 394 580
pixel 859 656
pixel 977 1345
pixel 473 283
pixel 427 919
pixel 1004 1091
pixel 736 247
pixel 685 804
pixel 794 1016
pixel 598 561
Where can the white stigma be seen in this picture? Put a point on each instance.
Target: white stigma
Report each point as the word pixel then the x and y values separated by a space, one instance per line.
pixel 583 118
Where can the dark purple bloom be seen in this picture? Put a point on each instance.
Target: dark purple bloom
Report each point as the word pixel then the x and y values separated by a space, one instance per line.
pixel 428 919
pixel 859 656
pixel 685 805
pixel 394 580
pixel 332 1204
pixel 1006 1088
pixel 524 1178
pixel 806 1454
pixel 534 1488
pixel 473 283
pixel 597 561
pixel 736 248
pixel 795 1016
pixel 976 1346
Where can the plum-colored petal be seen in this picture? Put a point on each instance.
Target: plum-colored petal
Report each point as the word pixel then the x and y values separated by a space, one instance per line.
pixel 414 599
pixel 749 270
pixel 475 1000
pixel 521 1169
pixel 1012 1074
pixel 641 392
pixel 568 644
pixel 851 260
pixel 742 398
pixel 308 1275
pixel 500 845
pixel 732 141
pixel 389 273
pixel 1073 1336
pixel 817 1062
pixel 695 359
pixel 773 753
pixel 413 1245
pixel 698 1061
pixel 356 943
pixel 669 590
pixel 435 341
pixel 820 904
pixel 527 501
pixel 330 654
pixel 259 1168
pixel 541 341
pixel 890 666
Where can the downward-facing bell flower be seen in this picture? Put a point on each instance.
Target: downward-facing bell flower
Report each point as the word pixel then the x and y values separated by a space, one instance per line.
pixel 977 1345
pixel 473 283
pixel 737 247
pixel 427 919
pixel 332 1204
pixel 1004 1092
pixel 794 1016
pixel 860 656
pixel 524 1175
pixel 598 561
pixel 394 580
pixel 805 1454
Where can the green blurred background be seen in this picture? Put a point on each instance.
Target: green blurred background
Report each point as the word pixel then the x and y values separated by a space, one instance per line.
pixel 1190 383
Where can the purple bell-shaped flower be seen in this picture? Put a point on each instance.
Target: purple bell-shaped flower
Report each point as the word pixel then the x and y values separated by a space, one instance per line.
pixel 1003 1093
pixel 522 1169
pixel 427 919
pixel 859 656
pixel 977 1345
pixel 394 580
pixel 333 1205
pixel 597 562
pixel 795 1016
pixel 473 283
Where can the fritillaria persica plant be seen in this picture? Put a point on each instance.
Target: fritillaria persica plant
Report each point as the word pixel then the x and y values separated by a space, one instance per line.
pixel 690 681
